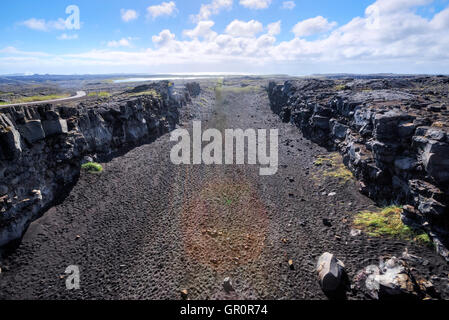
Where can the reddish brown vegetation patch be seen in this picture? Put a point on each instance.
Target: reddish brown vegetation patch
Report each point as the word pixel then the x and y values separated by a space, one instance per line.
pixel 225 225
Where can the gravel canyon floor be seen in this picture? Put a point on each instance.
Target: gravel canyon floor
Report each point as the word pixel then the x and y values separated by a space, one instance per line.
pixel 148 229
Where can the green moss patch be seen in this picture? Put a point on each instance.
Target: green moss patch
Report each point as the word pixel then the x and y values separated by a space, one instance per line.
pixel 36 99
pixel 92 167
pixel 152 92
pixel 340 87
pixel 102 94
pixel 334 167
pixel 387 222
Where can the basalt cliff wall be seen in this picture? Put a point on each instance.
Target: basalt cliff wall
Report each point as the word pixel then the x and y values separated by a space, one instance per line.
pixel 42 147
pixel 393 140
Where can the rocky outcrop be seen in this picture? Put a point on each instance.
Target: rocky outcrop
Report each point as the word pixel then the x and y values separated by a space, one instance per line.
pixel 193 88
pixel 394 138
pixel 42 147
pixel 392 279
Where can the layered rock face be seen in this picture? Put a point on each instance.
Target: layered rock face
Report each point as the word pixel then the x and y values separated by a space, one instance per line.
pixel 393 134
pixel 41 147
pixel 193 88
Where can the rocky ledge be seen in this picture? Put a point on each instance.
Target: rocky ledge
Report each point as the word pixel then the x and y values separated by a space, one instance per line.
pixel 393 134
pixel 42 147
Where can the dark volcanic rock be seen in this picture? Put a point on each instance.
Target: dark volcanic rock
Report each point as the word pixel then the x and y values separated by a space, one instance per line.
pixel 397 148
pixel 193 88
pixel 41 148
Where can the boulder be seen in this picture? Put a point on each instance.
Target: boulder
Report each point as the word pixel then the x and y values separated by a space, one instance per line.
pixel 362 117
pixel 431 208
pixel 391 279
pixel 10 145
pixel 193 88
pixel 227 285
pixel 436 161
pixel 422 189
pixel 386 125
pixel 331 273
pixel 321 122
pixel 54 127
pixel 32 131
pixel 436 134
pixel 339 130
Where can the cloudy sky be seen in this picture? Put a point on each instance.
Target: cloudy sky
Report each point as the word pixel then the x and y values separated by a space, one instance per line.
pixel 295 37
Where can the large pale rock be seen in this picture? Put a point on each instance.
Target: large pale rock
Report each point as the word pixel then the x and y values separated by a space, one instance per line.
pixel 54 127
pixel 331 272
pixel 391 279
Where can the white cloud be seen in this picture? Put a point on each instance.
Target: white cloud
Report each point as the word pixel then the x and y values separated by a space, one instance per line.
pixel 66 36
pixel 390 38
pixel 274 28
pixel 36 24
pixel 213 8
pixel 15 51
pixel 163 9
pixel 128 15
pixel 124 42
pixel 203 29
pixel 441 20
pixel 391 6
pixel 289 5
pixel 312 26
pixel 255 4
pixel 164 37
pixel 43 25
pixel 244 29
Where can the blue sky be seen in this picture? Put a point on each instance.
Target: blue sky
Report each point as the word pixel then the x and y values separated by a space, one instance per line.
pixel 235 36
